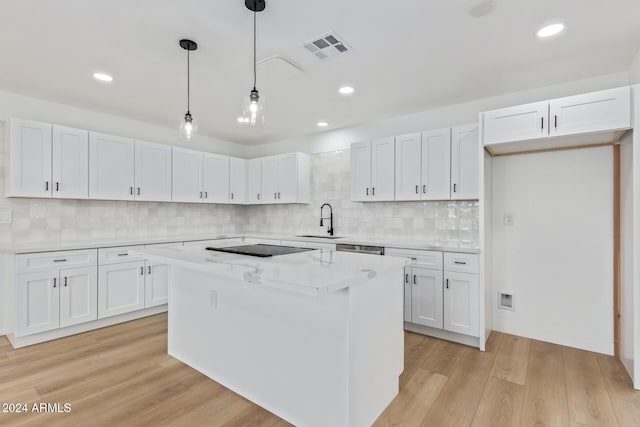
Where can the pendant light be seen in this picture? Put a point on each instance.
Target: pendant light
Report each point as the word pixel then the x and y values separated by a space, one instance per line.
pixel 254 112
pixel 188 127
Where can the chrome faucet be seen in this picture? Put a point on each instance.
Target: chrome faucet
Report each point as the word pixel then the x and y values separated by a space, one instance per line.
pixel 330 230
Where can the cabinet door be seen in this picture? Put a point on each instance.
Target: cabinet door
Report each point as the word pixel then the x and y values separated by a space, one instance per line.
pixel 38 302
pixel 408 167
pixel 461 303
pixel 215 178
pixel 519 123
pixel 436 165
pixel 288 178
pixel 186 176
pixel 70 160
pixel 78 295
pixel 407 294
pixel 111 167
pixel 156 286
pixel 383 169
pixel 270 179
pixel 120 288
pixel 152 171
pixel 30 159
pixel 465 166
pixel 254 181
pixel 591 112
pixel 361 171
pixel 237 181
pixel 426 297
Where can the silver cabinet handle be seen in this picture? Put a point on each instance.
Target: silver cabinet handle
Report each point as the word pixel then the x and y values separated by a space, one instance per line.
pixel 367 191
pixel 373 191
pixel 141 271
pixel 406 277
pixel 201 194
pixel 278 195
pixel 424 189
pixel 65 281
pixel 454 187
pixel 447 283
pixel 542 123
pixel 54 282
pixel 149 269
pixel 206 195
pixel 417 187
pixel 124 254
pixel 415 279
pixel 258 196
pixel 231 196
pixel 57 186
pixel 46 186
pixel 131 190
pixel 275 195
pixel 460 262
pixel 60 260
pixel 555 121
pixel 138 191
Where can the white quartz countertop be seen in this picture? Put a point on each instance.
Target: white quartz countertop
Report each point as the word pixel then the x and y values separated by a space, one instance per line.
pixel 30 247
pixel 311 273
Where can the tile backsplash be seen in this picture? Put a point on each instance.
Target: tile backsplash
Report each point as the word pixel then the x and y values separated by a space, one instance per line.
pixel 445 222
pixel 54 220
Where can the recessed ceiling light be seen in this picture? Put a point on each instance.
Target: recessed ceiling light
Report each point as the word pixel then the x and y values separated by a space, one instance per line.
pixel 243 119
pixel 550 30
pixel 102 77
pixel 323 124
pixel 346 90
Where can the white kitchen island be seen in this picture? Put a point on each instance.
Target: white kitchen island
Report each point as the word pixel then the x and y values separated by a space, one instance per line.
pixel 314 337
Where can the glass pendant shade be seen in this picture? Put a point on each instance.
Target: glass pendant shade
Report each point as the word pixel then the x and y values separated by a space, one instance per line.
pixel 253 113
pixel 188 128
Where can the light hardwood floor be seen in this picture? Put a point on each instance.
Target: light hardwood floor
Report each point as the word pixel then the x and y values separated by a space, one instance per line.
pixel 122 376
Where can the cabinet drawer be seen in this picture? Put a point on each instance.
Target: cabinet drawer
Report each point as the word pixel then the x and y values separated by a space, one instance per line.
pixel 27 263
pixel 419 258
pixel 118 254
pixel 463 263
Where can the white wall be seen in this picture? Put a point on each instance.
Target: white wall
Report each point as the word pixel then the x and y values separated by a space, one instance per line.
pixel 14 105
pixel 433 119
pixel 557 259
pixel 636 236
pixel 634 71
pixel 627 328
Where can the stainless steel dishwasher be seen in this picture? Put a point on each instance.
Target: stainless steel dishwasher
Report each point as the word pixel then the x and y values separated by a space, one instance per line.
pixel 361 249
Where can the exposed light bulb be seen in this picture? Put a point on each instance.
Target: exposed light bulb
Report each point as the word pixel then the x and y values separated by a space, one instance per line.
pixel 188 127
pixel 253 107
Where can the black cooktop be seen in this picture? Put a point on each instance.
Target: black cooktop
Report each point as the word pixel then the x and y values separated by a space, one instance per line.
pixel 260 250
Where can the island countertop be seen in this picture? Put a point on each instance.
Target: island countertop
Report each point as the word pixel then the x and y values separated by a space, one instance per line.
pixel 311 273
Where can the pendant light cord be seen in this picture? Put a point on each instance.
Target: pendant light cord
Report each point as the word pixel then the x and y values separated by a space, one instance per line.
pixel 188 81
pixel 254 50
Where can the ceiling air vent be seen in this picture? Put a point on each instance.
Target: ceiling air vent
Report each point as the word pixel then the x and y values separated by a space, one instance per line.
pixel 327 46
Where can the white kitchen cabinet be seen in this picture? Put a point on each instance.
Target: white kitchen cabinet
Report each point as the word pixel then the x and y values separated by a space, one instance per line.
pixel 591 112
pixel 269 176
pixel 408 171
pixel 156 284
pixel 373 170
pixel 426 297
pixel 152 171
pixel 186 175
pixel 215 178
pixel 285 178
pixel 78 295
pixel 111 167
pixel 70 163
pixel 465 163
pixel 361 171
pixel 461 303
pixel 30 159
pixel 120 288
pixel 38 307
pixel 518 123
pixel 288 178
pixel 238 181
pixel 423 165
pixel 436 165
pixel 254 181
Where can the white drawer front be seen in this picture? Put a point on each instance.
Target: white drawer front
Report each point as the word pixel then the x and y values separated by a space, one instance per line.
pixel 257 241
pixel 213 242
pixel 27 263
pixel 419 258
pixel 463 263
pixel 118 254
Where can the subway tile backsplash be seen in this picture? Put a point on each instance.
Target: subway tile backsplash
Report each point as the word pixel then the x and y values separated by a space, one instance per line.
pixel 55 220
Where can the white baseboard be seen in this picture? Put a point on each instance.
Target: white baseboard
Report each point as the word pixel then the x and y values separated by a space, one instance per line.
pixel 442 334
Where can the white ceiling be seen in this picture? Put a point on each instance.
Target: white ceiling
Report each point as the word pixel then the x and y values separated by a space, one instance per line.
pixel 407 56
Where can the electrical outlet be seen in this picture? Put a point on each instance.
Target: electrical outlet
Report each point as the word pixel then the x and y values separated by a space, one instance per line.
pixel 509 219
pixel 5 217
pixel 213 298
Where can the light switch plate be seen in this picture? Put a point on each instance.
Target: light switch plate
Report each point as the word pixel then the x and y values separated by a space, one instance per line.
pixel 5 217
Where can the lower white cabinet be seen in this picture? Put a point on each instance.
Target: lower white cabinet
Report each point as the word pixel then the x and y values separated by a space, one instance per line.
pixel 156 284
pixel 55 298
pixel 121 288
pixel 426 296
pixel 461 303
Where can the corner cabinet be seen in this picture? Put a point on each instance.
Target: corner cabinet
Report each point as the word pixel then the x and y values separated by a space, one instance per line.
pixel 373 170
pixel 284 178
pixel 237 181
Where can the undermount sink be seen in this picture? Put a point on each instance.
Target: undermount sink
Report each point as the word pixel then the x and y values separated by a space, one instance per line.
pixel 319 236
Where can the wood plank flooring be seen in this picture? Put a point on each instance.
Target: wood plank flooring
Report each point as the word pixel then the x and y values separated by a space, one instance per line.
pixel 122 376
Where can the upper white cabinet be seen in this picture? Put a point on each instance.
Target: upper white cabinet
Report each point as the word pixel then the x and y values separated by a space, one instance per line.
pixel 373 170
pixel 48 161
pixel 187 175
pixel 465 162
pixel 237 181
pixel 152 171
pixel 70 163
pixel 215 178
pixel 423 165
pixel 254 181
pixel 111 167
pixel 587 119
pixel 284 179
